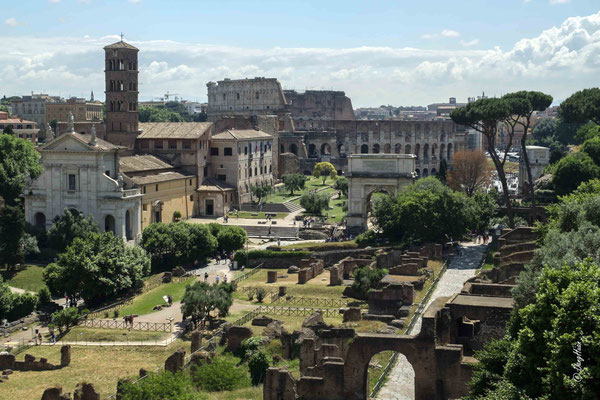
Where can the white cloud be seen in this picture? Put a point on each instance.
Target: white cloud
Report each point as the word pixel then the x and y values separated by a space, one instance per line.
pixel 12 22
pixel 469 43
pixel 559 1
pixel 450 33
pixel 559 60
pixel 54 1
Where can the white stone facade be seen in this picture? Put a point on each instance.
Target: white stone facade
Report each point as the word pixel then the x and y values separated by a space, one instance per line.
pixel 81 173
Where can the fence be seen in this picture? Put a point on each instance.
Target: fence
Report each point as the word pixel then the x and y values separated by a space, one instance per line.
pixel 119 324
pixel 317 301
pixel 409 328
pixel 247 275
pixel 298 311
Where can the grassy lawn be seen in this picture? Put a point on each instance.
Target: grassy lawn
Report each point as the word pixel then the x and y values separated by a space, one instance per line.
pixel 316 287
pixel 28 277
pixel 110 335
pixel 281 196
pixel 101 366
pixel 379 361
pixel 144 303
pixel 260 215
pixel 336 214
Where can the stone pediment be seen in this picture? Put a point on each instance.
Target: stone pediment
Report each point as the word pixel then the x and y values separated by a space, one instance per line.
pixel 69 142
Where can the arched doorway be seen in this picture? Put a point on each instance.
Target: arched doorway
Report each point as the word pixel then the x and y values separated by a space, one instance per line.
pixel 426 152
pixel 408 149
pixel 449 156
pixel 109 224
pixel 425 172
pixel 417 150
pixel 397 148
pixel 40 220
pixel 325 149
pixel 418 172
pixel 376 148
pixel 364 149
pixel 128 225
pixel 442 151
pixel 341 149
pixel 294 149
pixel 433 149
pixel 433 171
pixel 312 150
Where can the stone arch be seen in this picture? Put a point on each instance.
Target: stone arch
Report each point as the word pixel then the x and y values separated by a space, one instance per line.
pixel 364 149
pixel 418 172
pixel 426 151
pixel 376 148
pixel 387 148
pixel 442 151
pixel 39 220
pixel 341 149
pixel 312 150
pixel 294 149
pixel 398 148
pixel 433 149
pixel 433 171
pixel 425 172
pixel 417 150
pixel 449 151
pixel 442 137
pixel 408 149
pixel 325 149
pixel 109 224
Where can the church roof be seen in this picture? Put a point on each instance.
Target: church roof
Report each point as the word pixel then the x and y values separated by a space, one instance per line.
pixel 121 45
pixel 214 185
pixel 242 134
pixel 173 130
pixel 161 177
pixel 82 138
pixel 140 163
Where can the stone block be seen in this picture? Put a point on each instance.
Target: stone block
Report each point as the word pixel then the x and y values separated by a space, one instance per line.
pixel 314 321
pixel 85 391
pixel 271 276
pixel 65 355
pixel 293 269
pixel 262 320
pixel 282 291
pixel 201 357
pixel 167 277
pixel 234 337
pixel 352 314
pixel 274 330
pixel 196 341
pixel 7 361
pixel 54 393
pixel 175 361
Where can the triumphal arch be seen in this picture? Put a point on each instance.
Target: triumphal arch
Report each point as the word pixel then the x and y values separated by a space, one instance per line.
pixel 372 173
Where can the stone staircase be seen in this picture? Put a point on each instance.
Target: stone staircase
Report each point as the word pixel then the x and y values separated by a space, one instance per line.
pixel 282 232
pixel 292 207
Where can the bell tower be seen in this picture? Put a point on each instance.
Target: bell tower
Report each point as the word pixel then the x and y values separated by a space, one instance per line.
pixel 121 79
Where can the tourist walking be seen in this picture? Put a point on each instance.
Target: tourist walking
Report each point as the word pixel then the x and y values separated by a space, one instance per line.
pixel 217 279
pixel 206 277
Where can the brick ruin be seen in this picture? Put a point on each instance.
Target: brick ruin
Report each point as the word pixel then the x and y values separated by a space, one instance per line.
pixel 309 268
pixel 340 271
pixel 83 391
pixel 9 362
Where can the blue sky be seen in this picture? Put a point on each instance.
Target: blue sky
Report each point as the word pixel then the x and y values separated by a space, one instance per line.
pixel 379 51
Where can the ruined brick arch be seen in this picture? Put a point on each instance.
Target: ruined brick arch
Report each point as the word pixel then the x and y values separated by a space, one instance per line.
pixel 387 148
pixel 364 149
pixel 325 149
pixel 419 353
pixel 294 149
pixel 398 148
pixel 376 148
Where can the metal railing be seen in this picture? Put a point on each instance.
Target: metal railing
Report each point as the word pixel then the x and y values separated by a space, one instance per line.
pixel 298 311
pixel 118 324
pixel 318 301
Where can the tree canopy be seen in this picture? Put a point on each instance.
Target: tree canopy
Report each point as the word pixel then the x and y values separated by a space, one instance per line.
pixel 341 184
pixel 68 226
pixel 293 182
pixel 201 299
pixel 261 191
pixel 12 230
pixel 324 170
pixel 314 203
pixel 19 164
pixel 97 267
pixel 582 106
pixel 470 172
pixel 572 170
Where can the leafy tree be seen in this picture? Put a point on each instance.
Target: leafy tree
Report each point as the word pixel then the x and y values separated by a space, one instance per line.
pixel 324 170
pixel 258 364
pixel 588 131
pixel 221 374
pixel 485 115
pixel 261 191
pixel 97 267
pixel 158 241
pixel 203 243
pixel 341 184
pixel 414 214
pixel 522 106
pixel 486 209
pixel 12 230
pixel 366 279
pixel 201 299
pixel 160 386
pixel 544 128
pixel 293 182
pixel 582 106
pixel 592 148
pixel 442 171
pixel 572 171
pixel 231 238
pixel 5 108
pixel 538 357
pixel 66 318
pixel 470 172
pixel 19 163
pixel 69 226
pixel 44 296
pixel 314 203
pixel 156 114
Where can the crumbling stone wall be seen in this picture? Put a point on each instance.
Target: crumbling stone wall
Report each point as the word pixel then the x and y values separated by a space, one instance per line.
pixel 8 361
pixel 343 269
pixel 309 268
pixel 391 298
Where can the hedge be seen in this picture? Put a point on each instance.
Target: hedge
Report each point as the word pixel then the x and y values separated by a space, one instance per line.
pixel 240 256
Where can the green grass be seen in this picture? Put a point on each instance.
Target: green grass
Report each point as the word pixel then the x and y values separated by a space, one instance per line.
pixel 313 288
pixel 28 277
pixel 144 303
pixel 260 215
pixel 489 261
pixel 382 360
pixel 281 196
pixel 110 335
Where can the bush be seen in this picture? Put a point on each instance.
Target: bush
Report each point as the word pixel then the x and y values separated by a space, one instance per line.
pixel 251 345
pixel 115 313
pixel 251 293
pixel 231 238
pixel 240 256
pixel 366 279
pixel 176 216
pixel 258 364
pixel 164 385
pixel 260 294
pixel 66 318
pixel 22 305
pixel 314 203
pixel 44 296
pixel 572 170
pixel 367 238
pixel 221 374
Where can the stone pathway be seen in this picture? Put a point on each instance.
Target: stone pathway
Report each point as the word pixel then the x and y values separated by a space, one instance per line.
pixel 400 384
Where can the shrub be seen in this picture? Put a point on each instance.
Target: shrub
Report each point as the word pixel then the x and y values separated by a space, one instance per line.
pixel 260 294
pixel 251 345
pixel 221 374
pixel 240 256
pixel 164 385
pixel 176 216
pixel 572 170
pixel 44 296
pixel 251 294
pixel 314 203
pixel 258 364
pixel 115 313
pixel 22 306
pixel 231 238
pixel 366 278
pixel 66 318
pixel 367 238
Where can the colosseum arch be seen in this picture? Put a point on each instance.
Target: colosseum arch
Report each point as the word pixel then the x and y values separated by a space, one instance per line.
pixel 376 148
pixel 387 148
pixel 294 149
pixel 325 149
pixel 364 149
pixel 398 148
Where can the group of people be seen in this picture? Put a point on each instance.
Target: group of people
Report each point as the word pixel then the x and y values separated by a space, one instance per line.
pixel 128 319
pixel 217 278
pixel 225 257
pixel 481 237
pixel 307 222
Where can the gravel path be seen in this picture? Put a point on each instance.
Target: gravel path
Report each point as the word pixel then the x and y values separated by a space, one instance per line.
pixel 400 384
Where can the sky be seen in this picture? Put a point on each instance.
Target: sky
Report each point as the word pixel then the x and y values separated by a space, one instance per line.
pixel 398 52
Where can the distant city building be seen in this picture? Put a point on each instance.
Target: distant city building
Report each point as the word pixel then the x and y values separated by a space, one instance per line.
pixel 445 107
pixel 33 107
pixel 81 109
pixel 21 128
